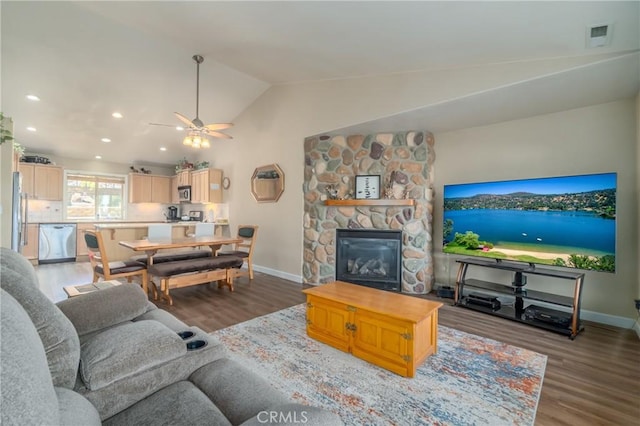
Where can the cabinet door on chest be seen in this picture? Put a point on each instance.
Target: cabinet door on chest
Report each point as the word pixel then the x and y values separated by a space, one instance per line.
pixel 328 322
pixel 381 339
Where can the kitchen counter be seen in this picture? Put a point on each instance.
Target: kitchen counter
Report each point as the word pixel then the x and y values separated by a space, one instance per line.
pixel 129 225
pixel 142 225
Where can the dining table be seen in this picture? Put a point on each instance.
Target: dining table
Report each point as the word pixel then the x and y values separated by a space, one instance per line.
pixel 151 247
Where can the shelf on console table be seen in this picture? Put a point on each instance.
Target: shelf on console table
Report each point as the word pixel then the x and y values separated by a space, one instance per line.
pixel 520 293
pixel 381 202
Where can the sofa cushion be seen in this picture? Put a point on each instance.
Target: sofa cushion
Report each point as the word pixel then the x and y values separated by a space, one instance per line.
pixel 105 308
pixel 28 396
pixel 179 404
pixel 57 334
pixel 239 393
pixel 165 318
pixel 75 409
pixel 127 349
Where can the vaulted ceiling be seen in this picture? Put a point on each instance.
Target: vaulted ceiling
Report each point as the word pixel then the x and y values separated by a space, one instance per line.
pixel 86 60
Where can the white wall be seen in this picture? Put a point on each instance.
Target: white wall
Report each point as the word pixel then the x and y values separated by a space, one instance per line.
pixel 273 128
pixel 600 138
pixel 6 187
pixel 637 324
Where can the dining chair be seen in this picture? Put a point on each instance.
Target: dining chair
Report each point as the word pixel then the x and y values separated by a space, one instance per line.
pixel 111 270
pixel 243 249
pixel 159 231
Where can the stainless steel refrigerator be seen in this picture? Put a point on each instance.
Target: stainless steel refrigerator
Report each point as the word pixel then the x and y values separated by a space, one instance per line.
pixel 19 209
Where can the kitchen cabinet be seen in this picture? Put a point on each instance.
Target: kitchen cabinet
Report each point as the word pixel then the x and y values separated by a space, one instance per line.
pixel 149 188
pixel 174 190
pixel 27 171
pixel 139 188
pixel 81 246
pixel 184 177
pixel 206 186
pixel 30 249
pixel 41 182
pixel 161 189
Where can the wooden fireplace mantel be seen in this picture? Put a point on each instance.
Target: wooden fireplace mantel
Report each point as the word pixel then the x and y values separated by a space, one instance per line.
pixel 382 202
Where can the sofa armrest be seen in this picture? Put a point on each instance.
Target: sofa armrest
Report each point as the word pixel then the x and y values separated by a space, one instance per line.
pixel 101 309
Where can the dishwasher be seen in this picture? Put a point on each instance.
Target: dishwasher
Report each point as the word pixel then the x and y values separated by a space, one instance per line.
pixel 57 243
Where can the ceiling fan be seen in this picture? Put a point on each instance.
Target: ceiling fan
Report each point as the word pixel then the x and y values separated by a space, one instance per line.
pixel 196 127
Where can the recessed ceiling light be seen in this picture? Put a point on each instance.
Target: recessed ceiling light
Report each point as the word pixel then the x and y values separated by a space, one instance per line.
pixel 116 115
pixel 98 157
pixel 31 129
pixel 33 98
pixel 162 148
pixel 179 128
pixel 105 140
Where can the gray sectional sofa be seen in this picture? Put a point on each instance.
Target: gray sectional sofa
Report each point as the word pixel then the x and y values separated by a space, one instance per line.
pixel 111 357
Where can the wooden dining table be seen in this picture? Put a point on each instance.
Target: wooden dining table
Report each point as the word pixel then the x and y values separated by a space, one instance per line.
pixel 151 247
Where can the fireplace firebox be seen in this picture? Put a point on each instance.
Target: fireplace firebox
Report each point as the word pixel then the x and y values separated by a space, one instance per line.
pixel 369 257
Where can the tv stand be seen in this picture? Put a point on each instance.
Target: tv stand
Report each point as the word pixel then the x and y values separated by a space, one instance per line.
pixel 520 303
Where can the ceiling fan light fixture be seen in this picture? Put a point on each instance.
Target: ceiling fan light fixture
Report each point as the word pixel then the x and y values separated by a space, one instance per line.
pixel 199 133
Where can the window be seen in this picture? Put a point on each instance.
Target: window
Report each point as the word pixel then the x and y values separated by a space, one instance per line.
pixel 94 197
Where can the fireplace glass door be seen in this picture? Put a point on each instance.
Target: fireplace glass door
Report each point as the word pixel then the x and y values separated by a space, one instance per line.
pixel 369 257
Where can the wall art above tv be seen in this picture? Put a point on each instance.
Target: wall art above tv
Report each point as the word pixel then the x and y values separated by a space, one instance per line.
pixel 567 221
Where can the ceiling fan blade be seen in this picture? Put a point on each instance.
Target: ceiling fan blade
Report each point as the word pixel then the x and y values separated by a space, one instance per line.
pixel 218 126
pixel 217 134
pixel 161 124
pixel 184 119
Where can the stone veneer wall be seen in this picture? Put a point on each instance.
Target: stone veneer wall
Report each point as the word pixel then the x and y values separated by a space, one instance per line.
pixel 335 161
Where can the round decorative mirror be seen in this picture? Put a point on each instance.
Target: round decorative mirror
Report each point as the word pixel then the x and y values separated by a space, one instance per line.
pixel 267 183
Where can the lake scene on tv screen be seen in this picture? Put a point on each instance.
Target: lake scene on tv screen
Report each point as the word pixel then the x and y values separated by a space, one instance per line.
pixel 567 221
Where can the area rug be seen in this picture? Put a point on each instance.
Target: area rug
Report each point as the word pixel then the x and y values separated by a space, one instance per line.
pixel 470 381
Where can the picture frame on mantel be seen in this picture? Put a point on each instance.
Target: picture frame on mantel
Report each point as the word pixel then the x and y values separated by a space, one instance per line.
pixel 367 187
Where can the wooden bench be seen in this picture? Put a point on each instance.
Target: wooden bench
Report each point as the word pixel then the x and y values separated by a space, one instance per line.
pixel 184 273
pixel 173 256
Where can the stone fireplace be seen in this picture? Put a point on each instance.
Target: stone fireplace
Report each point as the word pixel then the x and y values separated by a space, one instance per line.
pixel 369 257
pixel 404 163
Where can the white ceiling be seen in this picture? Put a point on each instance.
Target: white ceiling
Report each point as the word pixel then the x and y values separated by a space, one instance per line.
pixel 86 60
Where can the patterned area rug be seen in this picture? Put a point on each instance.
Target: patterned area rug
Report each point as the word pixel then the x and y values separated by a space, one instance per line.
pixel 470 381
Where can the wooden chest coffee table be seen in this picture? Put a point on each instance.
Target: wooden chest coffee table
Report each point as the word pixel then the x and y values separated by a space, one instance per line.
pixel 391 330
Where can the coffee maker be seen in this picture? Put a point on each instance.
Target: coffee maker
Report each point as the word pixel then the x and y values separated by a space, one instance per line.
pixel 172 214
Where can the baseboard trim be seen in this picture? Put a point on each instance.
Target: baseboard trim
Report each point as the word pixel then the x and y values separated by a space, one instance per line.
pixel 279 274
pixel 598 317
pixel 614 320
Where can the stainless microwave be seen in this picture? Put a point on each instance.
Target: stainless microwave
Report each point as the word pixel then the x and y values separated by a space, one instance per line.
pixel 184 193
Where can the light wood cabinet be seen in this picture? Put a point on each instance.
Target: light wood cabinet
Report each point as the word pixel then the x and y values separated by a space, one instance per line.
pixel 174 190
pixel 30 249
pixel 81 246
pixel 161 189
pixel 149 188
pixel 139 188
pixel 184 178
pixel 41 182
pixel 27 171
pixel 392 331
pixel 206 186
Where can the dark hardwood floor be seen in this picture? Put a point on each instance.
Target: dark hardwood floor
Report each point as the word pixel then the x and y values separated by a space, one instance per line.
pixel 592 380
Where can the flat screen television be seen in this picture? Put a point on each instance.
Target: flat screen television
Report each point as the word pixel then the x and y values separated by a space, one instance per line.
pixel 567 221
